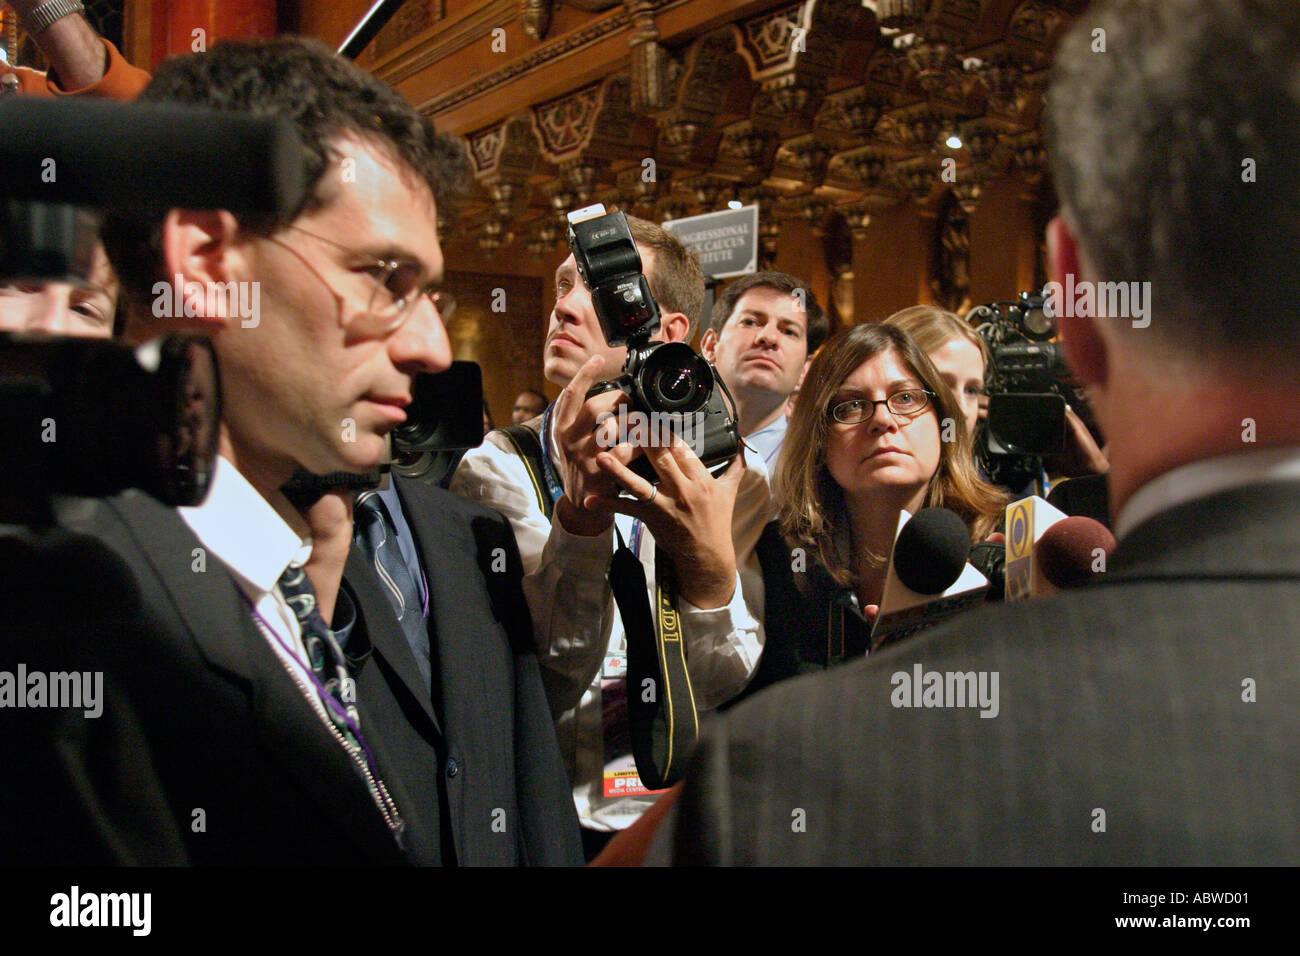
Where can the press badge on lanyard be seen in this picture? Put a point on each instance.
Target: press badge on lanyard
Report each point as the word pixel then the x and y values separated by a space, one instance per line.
pixel 620 776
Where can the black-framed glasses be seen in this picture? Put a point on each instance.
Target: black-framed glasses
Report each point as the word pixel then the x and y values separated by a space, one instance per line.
pixel 905 403
pixel 395 290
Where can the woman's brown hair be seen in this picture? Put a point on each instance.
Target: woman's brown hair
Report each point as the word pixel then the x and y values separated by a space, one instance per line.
pixel 812 504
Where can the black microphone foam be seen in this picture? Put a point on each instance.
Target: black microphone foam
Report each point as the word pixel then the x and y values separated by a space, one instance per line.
pixel 1066 550
pixel 147 156
pixel 931 550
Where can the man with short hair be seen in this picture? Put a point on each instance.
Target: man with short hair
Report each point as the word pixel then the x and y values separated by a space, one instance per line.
pixel 761 332
pixel 563 520
pixel 304 721
pixel 528 405
pixel 1120 723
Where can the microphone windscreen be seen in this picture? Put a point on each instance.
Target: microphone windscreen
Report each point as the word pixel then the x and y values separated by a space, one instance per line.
pixel 931 550
pixel 1068 549
pixel 145 156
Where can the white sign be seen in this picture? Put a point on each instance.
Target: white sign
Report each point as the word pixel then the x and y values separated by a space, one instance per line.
pixel 726 241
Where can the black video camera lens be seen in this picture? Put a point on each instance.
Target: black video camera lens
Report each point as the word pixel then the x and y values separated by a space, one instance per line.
pixel 674 378
pixel 1035 321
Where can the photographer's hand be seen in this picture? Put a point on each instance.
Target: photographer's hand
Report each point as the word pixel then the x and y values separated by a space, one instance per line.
pixel 1081 455
pixel 579 440
pixel 690 517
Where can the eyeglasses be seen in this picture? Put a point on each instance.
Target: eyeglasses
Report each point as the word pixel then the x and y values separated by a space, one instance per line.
pixel 394 294
pixel 906 403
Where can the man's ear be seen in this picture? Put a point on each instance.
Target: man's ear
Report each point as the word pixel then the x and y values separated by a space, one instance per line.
pixel 709 345
pixel 1085 347
pixel 203 248
pixel 674 326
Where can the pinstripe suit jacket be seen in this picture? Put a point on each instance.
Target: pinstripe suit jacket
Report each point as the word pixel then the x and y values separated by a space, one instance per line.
pixel 1151 718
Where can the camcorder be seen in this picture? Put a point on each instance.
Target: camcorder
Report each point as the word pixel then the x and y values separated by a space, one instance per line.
pixel 669 382
pixel 89 417
pixel 1029 386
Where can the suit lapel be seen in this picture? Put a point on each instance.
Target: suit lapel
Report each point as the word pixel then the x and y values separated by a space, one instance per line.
pixel 385 632
pixel 456 613
pixel 200 588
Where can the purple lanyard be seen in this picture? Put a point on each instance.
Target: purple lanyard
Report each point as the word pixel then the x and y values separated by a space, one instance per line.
pixel 327 699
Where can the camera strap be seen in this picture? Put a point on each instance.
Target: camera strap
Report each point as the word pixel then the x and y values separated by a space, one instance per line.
pixel 662 717
pixel 663 723
pixel 529 448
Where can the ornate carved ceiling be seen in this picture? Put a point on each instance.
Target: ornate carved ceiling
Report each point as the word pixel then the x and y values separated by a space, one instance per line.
pixel 811 108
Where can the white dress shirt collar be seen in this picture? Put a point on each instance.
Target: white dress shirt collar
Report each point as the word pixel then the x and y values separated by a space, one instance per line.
pixel 1203 478
pixel 241 528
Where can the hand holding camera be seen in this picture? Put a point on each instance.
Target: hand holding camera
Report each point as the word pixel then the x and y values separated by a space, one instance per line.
pixel 582 430
pixel 670 387
pixel 689 512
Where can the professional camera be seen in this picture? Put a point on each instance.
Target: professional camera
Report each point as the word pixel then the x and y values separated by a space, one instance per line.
pixel 1029 387
pixel 668 381
pixel 89 417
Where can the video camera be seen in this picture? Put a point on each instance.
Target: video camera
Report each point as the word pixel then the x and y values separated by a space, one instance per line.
pixel 668 381
pixel 87 417
pixel 1029 386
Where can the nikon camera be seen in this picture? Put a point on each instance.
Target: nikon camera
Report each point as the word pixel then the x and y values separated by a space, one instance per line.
pixel 669 382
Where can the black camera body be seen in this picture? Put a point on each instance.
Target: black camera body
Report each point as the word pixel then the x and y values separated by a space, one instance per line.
pixel 1029 386
pixel 671 387
pixel 88 418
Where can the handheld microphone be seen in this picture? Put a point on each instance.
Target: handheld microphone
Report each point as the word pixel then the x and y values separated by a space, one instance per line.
pixel 1027 519
pixel 1048 550
pixel 929 578
pixel 1072 552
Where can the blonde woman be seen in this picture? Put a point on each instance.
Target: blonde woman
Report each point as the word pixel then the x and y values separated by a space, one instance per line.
pixel 959 354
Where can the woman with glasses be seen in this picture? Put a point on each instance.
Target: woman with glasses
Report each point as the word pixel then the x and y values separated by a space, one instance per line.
pixel 875 431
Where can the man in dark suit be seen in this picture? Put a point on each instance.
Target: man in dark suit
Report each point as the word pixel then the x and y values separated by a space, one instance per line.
pixel 477 713
pixel 1151 717
pixel 257 732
